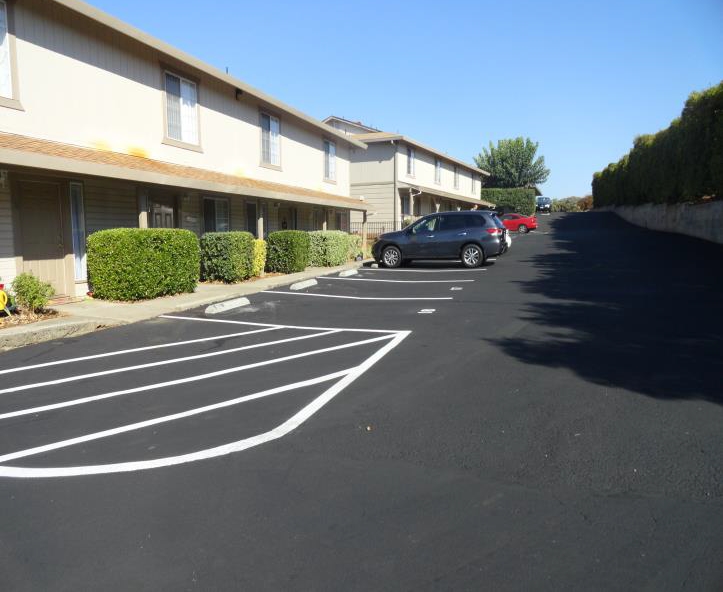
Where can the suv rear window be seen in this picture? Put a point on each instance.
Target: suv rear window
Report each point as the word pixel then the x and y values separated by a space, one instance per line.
pixel 455 221
pixel 477 221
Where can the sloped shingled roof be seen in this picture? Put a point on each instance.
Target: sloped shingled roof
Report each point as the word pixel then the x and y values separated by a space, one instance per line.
pixel 19 150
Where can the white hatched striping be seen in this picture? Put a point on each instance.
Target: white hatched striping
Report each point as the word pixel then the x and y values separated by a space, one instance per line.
pixel 149 387
pixel 24 387
pixel 137 349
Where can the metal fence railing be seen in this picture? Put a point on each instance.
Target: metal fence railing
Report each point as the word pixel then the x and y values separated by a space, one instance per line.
pixel 374 229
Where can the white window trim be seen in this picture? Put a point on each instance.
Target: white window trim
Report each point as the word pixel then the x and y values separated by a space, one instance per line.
pixel 411 158
pixel 80 266
pixel 331 177
pixel 11 101
pixel 167 139
pixel 264 163
pixel 215 222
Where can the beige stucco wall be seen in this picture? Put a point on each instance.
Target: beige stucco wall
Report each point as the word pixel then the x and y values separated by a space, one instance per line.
pixel 424 173
pixel 84 85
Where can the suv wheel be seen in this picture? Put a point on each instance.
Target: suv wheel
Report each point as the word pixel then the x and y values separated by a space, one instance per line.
pixel 472 256
pixel 391 257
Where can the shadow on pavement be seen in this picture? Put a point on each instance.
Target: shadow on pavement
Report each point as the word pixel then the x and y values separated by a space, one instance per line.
pixel 626 307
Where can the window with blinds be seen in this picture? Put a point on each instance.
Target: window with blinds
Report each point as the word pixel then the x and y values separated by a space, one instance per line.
pixel 77 219
pixel 215 214
pixel 329 160
pixel 181 109
pixel 456 177
pixel 270 133
pixel 410 161
pixel 438 171
pixel 6 75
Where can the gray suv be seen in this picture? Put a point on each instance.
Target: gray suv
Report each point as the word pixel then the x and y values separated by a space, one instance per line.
pixel 470 236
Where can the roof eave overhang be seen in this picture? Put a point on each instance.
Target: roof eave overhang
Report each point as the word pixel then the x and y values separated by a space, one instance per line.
pixel 400 138
pixel 31 160
pixel 444 194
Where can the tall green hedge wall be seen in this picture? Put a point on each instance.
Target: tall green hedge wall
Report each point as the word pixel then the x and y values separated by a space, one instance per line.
pixel 518 199
pixel 140 263
pixel 680 163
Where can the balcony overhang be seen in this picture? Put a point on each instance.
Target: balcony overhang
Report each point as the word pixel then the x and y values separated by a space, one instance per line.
pixel 437 193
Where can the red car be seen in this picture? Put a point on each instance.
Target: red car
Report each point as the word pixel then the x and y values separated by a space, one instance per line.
pixel 519 222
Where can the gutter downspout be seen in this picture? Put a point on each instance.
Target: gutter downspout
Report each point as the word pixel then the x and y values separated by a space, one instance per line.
pixel 396 194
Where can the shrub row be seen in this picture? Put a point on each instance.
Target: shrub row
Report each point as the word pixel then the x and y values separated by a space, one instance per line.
pixel 140 263
pixel 136 264
pixel 287 251
pixel 328 248
pixel 518 199
pixel 680 163
pixel 227 256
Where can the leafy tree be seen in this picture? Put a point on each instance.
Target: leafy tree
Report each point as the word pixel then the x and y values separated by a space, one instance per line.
pixel 512 164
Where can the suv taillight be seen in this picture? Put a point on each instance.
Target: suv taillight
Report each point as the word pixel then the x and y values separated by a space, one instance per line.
pixel 494 230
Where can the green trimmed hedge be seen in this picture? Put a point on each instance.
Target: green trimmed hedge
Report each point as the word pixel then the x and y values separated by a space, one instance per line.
pixel 227 256
pixel 142 263
pixel 355 246
pixel 287 251
pixel 328 248
pixel 518 199
pixel 680 163
pixel 259 262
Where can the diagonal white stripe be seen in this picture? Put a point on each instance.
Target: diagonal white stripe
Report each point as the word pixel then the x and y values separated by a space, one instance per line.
pixel 136 349
pixel 148 387
pixel 166 418
pixel 278 432
pixel 24 387
pixel 230 322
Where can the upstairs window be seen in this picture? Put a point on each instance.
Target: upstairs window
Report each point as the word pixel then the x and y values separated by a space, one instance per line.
pixel 6 74
pixel 410 161
pixel 270 136
pixel 456 177
pixel 438 171
pixel 474 184
pixel 181 109
pixel 329 161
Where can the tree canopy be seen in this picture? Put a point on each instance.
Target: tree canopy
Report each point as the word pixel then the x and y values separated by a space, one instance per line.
pixel 512 163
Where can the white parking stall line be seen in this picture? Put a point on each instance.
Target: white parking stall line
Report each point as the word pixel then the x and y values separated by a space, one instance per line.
pixel 427 311
pixel 395 338
pixel 166 418
pixel 352 297
pixel 455 289
pixel 395 270
pixel 231 322
pixel 24 387
pixel 137 349
pixel 157 385
pixel 395 281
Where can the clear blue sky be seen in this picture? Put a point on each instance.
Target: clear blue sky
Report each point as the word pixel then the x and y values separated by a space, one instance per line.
pixel 581 78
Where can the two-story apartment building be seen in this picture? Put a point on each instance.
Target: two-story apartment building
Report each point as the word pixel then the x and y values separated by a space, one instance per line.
pixel 102 126
pixel 401 178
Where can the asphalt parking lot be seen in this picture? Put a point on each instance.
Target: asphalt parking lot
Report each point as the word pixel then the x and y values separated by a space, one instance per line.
pixel 549 421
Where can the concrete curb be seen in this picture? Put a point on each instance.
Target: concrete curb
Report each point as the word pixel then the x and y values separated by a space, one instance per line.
pixel 227 305
pixel 86 317
pixel 51 330
pixel 301 285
